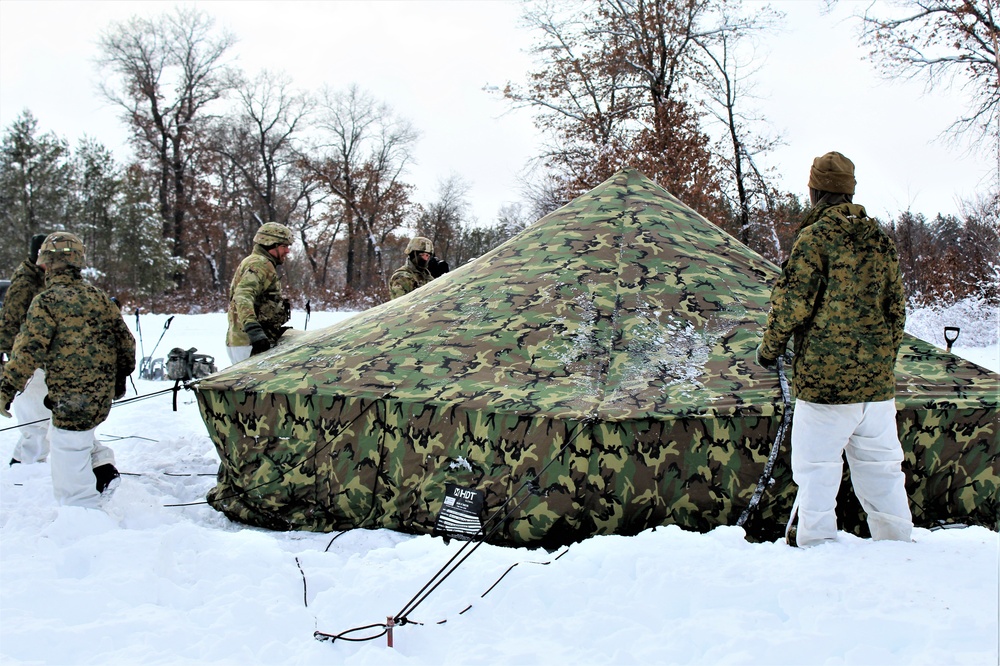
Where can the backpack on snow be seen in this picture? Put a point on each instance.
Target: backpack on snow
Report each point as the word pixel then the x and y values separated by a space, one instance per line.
pixel 186 364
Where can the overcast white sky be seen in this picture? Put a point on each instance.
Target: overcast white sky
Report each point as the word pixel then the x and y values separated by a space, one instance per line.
pixel 431 60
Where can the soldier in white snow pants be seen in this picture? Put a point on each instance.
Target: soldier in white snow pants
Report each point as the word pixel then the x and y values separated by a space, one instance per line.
pixel 840 300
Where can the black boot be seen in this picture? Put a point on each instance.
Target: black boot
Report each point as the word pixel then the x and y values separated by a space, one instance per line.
pixel 108 478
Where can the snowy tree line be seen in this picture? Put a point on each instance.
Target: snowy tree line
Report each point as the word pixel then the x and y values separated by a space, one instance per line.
pixel 660 85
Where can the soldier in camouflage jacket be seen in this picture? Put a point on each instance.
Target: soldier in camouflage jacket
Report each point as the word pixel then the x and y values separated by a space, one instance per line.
pixel 257 311
pixel 414 273
pixel 28 279
pixel 840 298
pixel 77 336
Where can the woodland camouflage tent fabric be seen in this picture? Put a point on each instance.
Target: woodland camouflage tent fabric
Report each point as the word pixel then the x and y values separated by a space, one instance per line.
pixel 592 375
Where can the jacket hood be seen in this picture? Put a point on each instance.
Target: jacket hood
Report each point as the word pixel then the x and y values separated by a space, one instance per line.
pixel 62 273
pixel 853 219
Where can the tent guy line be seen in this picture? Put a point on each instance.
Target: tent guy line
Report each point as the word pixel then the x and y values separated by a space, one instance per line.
pixel 117 403
pixel 391 620
pixel 402 617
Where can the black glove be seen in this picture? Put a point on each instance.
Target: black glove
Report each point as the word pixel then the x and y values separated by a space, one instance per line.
pixel 437 267
pixel 259 342
pixel 120 385
pixel 7 392
pixel 765 362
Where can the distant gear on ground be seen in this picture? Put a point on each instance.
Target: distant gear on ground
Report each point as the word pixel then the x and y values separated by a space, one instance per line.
pixel 185 364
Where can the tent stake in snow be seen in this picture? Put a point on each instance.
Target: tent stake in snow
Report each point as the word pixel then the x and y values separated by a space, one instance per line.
pixel 138 330
pixel 950 335
pixel 389 624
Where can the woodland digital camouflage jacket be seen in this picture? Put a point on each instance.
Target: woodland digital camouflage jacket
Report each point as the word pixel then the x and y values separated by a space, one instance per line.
pixel 27 281
pixel 841 296
pixel 77 336
pixel 255 295
pixel 406 278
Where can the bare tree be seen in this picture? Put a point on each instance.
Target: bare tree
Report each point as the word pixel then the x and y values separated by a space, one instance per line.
pixel 362 152
pixel 164 73
pixel 944 42
pixel 261 143
pixel 727 79
pixel 263 178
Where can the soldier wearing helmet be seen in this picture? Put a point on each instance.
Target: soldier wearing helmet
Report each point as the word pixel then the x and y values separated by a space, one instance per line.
pixel 416 272
pixel 75 334
pixel 257 311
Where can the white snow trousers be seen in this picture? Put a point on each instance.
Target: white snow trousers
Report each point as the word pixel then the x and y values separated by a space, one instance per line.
pixel 33 445
pixel 866 432
pixel 237 354
pixel 73 480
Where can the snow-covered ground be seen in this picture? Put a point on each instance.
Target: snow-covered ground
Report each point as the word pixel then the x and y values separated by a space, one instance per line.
pixel 151 583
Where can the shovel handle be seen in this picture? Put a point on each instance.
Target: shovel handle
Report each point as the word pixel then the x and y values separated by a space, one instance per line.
pixel 950 335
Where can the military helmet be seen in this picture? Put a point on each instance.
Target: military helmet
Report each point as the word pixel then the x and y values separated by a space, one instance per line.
pixel 62 247
pixel 420 244
pixel 271 234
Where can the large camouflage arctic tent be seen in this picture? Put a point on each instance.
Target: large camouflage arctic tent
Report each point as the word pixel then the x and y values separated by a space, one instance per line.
pixel 592 375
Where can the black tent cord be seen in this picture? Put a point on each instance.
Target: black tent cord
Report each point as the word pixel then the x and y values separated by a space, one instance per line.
pixel 786 420
pixel 175 389
pixel 447 569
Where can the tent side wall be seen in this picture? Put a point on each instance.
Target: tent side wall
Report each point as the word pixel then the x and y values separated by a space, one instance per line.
pixel 305 462
pixel 952 465
pixel 331 463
